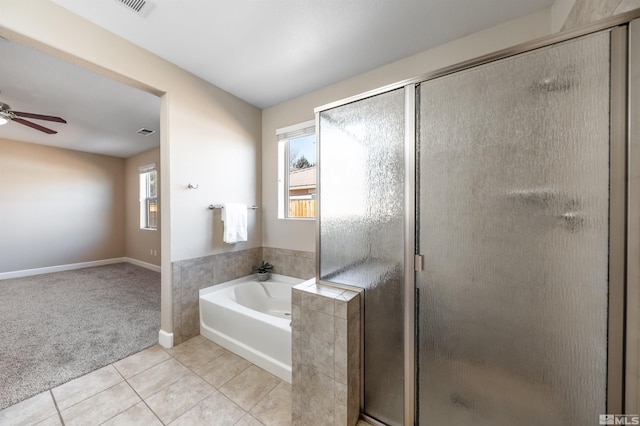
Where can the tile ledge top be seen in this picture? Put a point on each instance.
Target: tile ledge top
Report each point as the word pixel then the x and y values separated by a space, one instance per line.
pixel 328 291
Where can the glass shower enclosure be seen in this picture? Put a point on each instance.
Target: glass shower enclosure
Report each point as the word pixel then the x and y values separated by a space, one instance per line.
pixel 362 230
pixel 482 211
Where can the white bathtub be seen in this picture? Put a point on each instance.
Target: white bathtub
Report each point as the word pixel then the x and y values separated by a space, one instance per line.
pixel 252 319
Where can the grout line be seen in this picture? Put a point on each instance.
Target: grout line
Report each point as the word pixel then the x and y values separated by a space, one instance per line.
pixel 239 372
pixel 118 371
pixel 144 401
pixel 90 396
pixel 261 399
pixel 192 369
pixel 95 394
pixel 141 371
pixel 248 414
pixel 130 387
pixel 57 408
pixel 136 392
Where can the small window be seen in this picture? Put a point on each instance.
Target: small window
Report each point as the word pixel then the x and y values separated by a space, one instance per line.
pixel 297 171
pixel 148 197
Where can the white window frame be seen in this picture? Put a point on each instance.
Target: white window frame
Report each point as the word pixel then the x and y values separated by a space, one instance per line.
pixel 145 196
pixel 283 136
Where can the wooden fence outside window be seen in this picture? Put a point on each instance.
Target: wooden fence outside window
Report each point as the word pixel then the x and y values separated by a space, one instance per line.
pixel 302 208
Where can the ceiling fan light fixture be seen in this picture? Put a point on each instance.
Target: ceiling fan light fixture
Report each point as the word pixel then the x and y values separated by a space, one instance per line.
pixel 5 114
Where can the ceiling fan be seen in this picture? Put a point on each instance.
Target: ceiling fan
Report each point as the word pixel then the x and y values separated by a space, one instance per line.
pixel 7 115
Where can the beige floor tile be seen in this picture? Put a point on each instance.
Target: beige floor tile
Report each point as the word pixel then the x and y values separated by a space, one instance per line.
pixel 249 387
pixel 194 340
pixel 210 344
pixel 188 344
pixel 158 377
pixel 141 361
pixel 29 411
pixel 223 368
pixel 216 410
pixel 85 386
pixel 139 414
pixel 175 399
pixel 275 408
pixel 51 421
pixel 173 392
pixel 101 407
pixel 196 352
pixel 248 420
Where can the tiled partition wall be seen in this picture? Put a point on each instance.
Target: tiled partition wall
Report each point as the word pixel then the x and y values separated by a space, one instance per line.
pixel 326 355
pixel 191 275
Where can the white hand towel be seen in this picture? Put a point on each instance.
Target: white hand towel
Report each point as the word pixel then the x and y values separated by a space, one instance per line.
pixel 235 222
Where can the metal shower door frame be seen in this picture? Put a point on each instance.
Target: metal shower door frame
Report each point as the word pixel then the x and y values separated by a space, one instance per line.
pixel 617 220
pixel 632 353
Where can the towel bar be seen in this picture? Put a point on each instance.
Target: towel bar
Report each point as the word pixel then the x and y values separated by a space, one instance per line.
pixel 219 206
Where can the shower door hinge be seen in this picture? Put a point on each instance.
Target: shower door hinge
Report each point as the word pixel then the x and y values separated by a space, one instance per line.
pixel 417 262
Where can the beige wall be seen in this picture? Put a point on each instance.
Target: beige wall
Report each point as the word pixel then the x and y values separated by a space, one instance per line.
pixel 140 242
pixel 58 206
pixel 300 235
pixel 209 137
pixel 62 207
pixel 559 12
pixel 586 11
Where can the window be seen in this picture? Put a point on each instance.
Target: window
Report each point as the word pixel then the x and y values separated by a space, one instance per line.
pixel 148 197
pixel 297 171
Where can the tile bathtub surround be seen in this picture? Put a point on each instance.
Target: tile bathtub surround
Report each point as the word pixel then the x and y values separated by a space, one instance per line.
pixel 160 387
pixel 326 355
pixel 191 275
pixel 293 263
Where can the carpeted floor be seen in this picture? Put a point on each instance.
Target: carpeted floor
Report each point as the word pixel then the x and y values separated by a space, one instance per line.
pixel 59 326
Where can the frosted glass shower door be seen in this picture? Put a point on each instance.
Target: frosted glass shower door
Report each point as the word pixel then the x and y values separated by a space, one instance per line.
pixel 361 220
pixel 513 225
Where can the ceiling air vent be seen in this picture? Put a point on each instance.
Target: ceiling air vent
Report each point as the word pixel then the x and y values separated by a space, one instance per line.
pixel 136 5
pixel 145 132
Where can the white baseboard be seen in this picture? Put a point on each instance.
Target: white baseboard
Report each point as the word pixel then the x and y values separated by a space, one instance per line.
pixel 142 264
pixel 60 268
pixel 71 266
pixel 165 339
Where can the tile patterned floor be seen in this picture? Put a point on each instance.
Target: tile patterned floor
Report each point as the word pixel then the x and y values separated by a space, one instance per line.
pixel 195 383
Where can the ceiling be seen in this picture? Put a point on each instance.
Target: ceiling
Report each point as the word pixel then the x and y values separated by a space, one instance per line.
pixel 102 115
pixel 269 51
pixel 263 51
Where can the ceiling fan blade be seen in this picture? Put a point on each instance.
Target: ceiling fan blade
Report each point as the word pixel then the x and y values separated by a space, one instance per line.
pixel 34 125
pixel 39 116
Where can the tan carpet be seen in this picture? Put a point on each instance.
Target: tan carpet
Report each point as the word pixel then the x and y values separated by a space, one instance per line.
pixel 59 326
